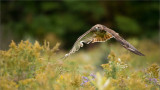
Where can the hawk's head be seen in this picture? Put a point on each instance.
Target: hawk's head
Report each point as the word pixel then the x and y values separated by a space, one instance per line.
pixel 97 27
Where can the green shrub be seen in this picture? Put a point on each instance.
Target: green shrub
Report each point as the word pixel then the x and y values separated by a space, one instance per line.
pixel 29 66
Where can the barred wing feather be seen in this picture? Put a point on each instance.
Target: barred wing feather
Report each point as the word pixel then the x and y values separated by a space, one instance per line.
pixel 123 42
pixel 85 38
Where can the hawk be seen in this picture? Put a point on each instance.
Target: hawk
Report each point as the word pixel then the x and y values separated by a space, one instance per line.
pixel 100 33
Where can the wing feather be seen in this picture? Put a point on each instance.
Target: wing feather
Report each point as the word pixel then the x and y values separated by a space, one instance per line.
pixel 123 42
pixel 85 38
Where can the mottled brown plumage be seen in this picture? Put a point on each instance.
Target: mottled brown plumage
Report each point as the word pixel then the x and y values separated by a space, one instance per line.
pixel 100 33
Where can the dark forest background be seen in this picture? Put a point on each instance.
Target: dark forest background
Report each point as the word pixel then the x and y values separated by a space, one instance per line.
pixel 64 21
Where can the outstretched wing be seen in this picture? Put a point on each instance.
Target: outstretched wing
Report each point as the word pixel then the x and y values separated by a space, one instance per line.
pixel 89 36
pixel 85 38
pixel 123 42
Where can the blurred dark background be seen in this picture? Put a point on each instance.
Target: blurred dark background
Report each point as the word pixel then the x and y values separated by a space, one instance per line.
pixel 65 21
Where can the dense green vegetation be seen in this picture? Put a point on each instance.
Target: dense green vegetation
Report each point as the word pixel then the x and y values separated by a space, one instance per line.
pixel 66 20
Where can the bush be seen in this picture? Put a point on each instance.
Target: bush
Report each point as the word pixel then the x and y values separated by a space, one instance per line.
pixel 37 67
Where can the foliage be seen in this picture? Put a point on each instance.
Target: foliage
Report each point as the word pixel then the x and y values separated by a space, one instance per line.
pixel 67 19
pixel 127 25
pixel 29 66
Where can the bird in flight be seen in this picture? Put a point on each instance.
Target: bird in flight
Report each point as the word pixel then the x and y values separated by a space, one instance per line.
pixel 100 33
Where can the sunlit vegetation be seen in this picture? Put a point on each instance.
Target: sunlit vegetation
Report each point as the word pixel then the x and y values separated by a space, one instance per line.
pixel 27 66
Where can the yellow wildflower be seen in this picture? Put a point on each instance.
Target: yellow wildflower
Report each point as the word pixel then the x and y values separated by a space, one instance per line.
pixel 153 70
pixel 13 45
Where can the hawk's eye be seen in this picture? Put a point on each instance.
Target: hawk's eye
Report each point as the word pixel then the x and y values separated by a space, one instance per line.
pixel 97 28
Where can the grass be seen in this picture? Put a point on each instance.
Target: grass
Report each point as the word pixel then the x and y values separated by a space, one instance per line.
pixel 28 66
